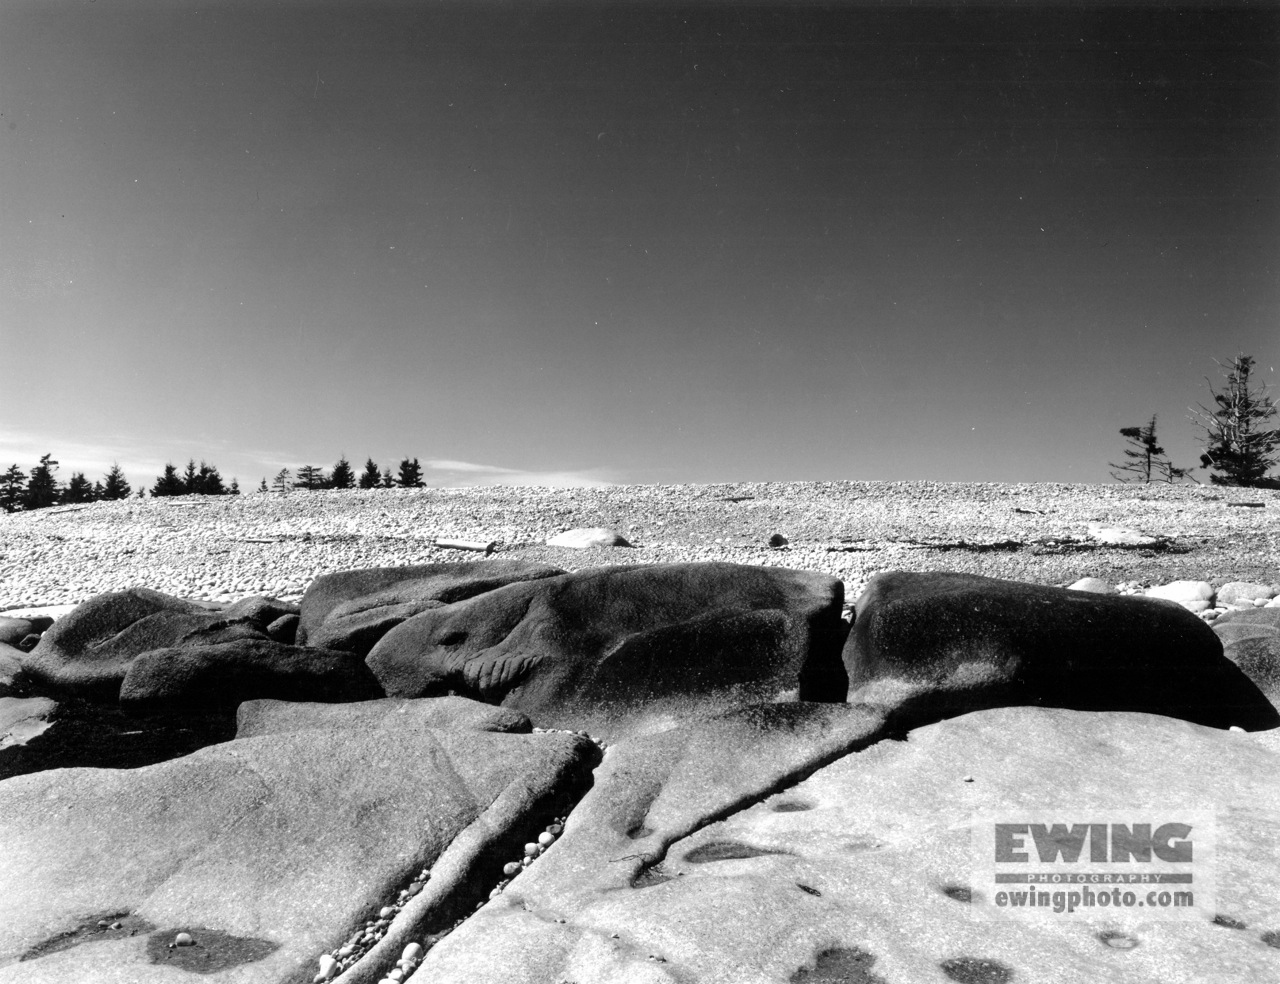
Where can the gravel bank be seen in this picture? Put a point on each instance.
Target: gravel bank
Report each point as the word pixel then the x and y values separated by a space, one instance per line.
pixel 271 543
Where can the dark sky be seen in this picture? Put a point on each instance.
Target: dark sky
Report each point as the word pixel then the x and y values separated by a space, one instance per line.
pixel 633 241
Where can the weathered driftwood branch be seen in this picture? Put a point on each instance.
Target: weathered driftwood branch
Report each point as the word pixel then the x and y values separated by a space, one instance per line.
pixel 476 545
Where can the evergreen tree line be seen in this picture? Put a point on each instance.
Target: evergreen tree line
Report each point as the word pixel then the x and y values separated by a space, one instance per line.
pixel 1239 446
pixel 343 476
pixel 41 489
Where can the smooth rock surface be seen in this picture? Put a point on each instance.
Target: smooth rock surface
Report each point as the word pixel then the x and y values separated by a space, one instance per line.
pixel 1251 640
pixel 1237 591
pixel 610 647
pixel 261 717
pixel 352 610
pixel 860 872
pixel 266 850
pixel 650 791
pixel 1192 595
pixel 10 670
pixel 224 675
pixel 23 718
pixel 937 645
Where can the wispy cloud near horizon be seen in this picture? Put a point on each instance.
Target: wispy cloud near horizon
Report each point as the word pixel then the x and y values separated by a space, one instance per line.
pixel 448 472
pixel 142 463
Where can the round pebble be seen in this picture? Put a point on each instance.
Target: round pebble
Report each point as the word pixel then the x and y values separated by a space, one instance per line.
pixel 555 829
pixel 328 964
pixel 183 939
pixel 546 838
pixel 412 953
pixel 511 868
pixel 531 850
pixel 386 912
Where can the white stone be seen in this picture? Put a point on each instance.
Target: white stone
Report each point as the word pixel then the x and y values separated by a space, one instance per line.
pixel 581 539
pixel 1192 595
pixel 546 838
pixel 1094 585
pixel 1245 592
pixel 1119 536
pixel 328 965
pixel 412 953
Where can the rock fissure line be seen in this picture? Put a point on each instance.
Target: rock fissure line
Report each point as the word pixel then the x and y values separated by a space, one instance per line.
pixel 437 900
pixel 888 732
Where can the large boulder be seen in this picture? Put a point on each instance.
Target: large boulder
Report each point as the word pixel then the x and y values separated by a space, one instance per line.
pixel 88 651
pixel 1251 640
pixel 224 675
pixel 865 870
pixel 264 717
pixel 266 851
pixel 940 644
pixel 352 610
pixel 612 647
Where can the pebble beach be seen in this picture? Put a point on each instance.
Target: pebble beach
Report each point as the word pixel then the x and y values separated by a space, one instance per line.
pixel 219 549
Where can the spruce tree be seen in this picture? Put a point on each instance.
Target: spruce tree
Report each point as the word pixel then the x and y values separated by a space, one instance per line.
pixel 116 487
pixel 387 481
pixel 1238 444
pixel 370 478
pixel 309 477
pixel 281 482
pixel 98 492
pixel 170 483
pixel 342 477
pixel 1147 459
pixel 13 487
pixel 263 486
pixel 191 480
pixel 410 475
pixel 235 488
pixel 42 487
pixel 209 481
pixel 78 489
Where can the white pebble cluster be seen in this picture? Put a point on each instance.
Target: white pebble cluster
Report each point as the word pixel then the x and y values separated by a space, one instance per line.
pixel 364 939
pixel 532 851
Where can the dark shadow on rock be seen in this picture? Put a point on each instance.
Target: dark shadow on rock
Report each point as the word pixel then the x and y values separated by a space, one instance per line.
pixel 727 851
pixel 82 733
pixel 840 965
pixel 211 950
pixel 971 970
pixel 110 925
